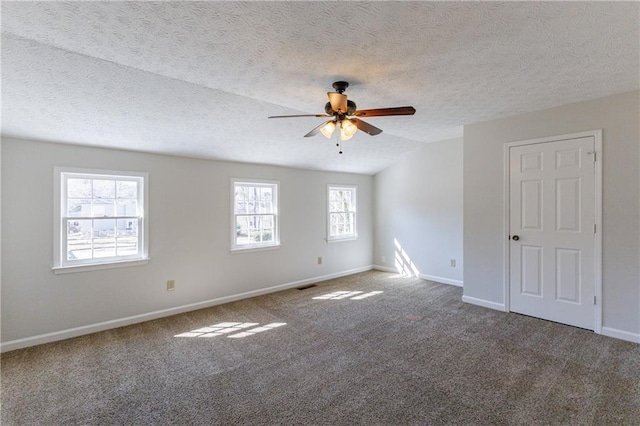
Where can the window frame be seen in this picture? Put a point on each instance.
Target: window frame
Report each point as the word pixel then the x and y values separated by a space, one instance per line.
pixel 61 264
pixel 345 237
pixel 275 186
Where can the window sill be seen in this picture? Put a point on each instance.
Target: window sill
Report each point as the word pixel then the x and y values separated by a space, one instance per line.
pixel 254 249
pixel 339 240
pixel 98 266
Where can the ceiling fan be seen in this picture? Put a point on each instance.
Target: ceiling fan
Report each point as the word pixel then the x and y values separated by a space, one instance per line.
pixel 343 116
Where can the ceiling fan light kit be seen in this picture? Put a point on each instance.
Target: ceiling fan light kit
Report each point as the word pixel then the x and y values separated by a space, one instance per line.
pixel 342 112
pixel 347 129
pixel 328 129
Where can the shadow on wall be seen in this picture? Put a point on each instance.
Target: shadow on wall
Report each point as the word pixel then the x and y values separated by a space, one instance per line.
pixel 403 262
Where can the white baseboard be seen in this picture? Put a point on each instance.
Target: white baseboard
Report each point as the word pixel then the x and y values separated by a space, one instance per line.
pixel 441 280
pixel 485 303
pixel 122 322
pixel 385 269
pixel 620 334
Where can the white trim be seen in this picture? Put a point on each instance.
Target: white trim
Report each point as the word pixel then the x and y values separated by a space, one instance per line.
pixel 121 322
pixel 597 136
pixel 385 269
pixel 505 227
pixel 98 266
pixel 275 184
pixel 436 279
pixel 349 237
pixel 254 249
pixel 58 213
pixel 485 303
pixel 621 334
pixel 442 280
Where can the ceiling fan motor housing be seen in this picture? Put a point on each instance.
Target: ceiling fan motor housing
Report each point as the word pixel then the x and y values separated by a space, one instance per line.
pixel 351 108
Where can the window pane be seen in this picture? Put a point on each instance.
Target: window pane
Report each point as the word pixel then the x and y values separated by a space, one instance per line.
pixel 127 189
pixel 127 246
pixel 240 207
pixel 247 193
pixel 79 208
pixel 266 200
pixel 349 223
pixel 127 228
pixel 104 188
pixel 267 222
pixel 79 188
pixel 104 228
pixel 103 207
pixel 78 239
pixel 242 230
pixel 104 247
pixel 127 207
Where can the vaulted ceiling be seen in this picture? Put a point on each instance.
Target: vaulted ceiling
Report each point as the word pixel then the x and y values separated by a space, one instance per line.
pixel 200 78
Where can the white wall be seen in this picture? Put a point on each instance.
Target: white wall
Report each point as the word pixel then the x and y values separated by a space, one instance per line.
pixel 189 240
pixel 418 203
pixel 618 116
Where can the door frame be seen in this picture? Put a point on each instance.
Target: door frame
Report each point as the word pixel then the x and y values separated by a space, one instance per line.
pixel 597 135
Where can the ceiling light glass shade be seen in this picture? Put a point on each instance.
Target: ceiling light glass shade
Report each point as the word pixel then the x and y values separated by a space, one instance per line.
pixel 327 129
pixel 347 129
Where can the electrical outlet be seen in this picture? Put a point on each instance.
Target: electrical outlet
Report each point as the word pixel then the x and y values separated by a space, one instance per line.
pixel 171 285
pixel 383 259
pixel 319 260
pixel 453 263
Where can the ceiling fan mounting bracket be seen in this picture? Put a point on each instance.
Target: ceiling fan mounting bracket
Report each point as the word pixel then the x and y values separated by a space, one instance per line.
pixel 340 86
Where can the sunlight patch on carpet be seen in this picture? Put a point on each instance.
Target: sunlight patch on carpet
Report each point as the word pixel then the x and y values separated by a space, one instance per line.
pixel 352 295
pixel 239 329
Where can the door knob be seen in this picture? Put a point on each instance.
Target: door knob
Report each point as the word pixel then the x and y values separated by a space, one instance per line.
pixel 515 238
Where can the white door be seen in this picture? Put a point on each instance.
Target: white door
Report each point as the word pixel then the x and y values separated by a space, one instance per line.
pixel 552 226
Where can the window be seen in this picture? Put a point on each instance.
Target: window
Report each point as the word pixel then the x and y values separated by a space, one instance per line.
pixel 100 218
pixel 341 217
pixel 255 215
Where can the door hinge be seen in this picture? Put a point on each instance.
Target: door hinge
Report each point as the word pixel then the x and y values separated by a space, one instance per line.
pixel 595 155
pixel 595 230
pixel 594 300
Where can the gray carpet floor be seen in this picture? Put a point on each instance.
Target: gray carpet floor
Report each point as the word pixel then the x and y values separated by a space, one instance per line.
pixel 402 352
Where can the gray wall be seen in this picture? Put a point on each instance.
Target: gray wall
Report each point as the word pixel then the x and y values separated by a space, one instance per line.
pixel 189 240
pixel 618 116
pixel 418 203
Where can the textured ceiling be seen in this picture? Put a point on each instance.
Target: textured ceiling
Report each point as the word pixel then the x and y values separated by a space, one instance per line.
pixel 200 78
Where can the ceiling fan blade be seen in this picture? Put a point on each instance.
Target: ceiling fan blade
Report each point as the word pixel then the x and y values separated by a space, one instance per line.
pixel 299 115
pixel 338 101
pixel 379 112
pixel 366 127
pixel 316 130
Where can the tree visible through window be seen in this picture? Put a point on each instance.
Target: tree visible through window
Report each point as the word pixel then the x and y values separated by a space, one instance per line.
pixel 255 214
pixel 342 212
pixel 101 218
